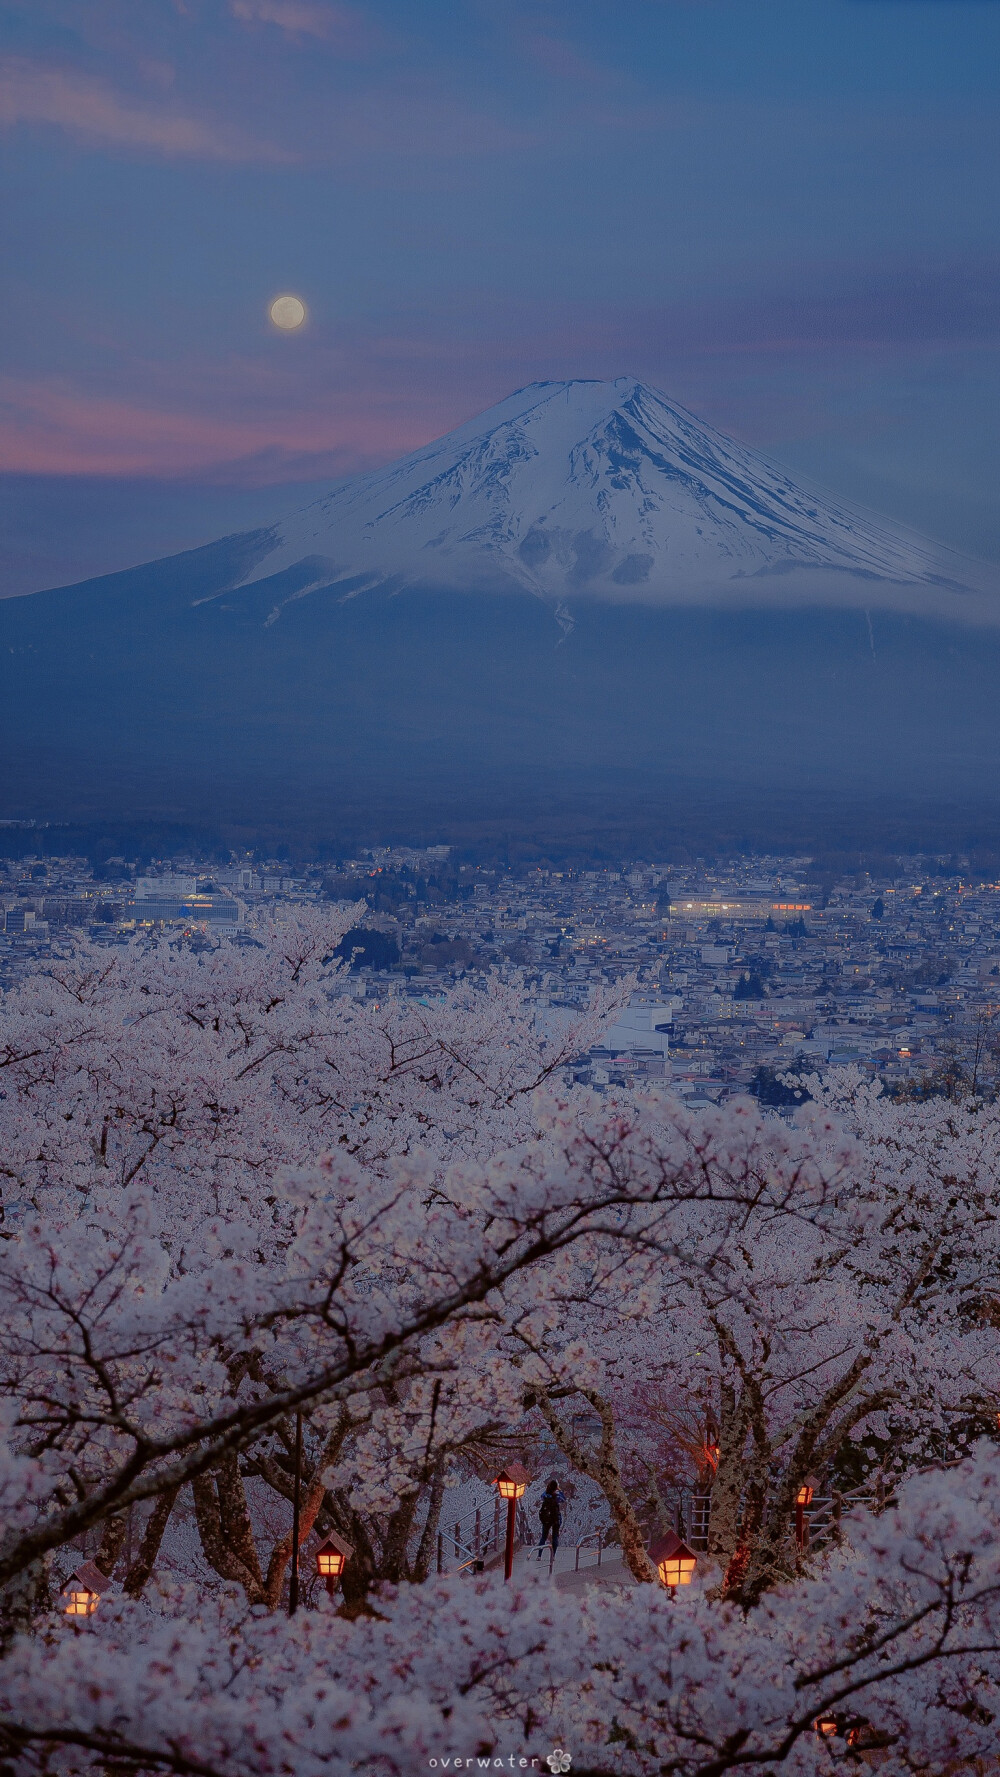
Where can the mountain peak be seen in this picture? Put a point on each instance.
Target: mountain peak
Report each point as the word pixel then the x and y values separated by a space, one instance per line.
pixel 550 558
pixel 607 489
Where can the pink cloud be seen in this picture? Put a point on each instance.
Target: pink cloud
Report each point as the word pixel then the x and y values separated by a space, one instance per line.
pixel 51 427
pixel 344 398
pixel 347 30
pixel 556 57
pixel 66 99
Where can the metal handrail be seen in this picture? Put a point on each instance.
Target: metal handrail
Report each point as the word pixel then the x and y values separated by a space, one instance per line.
pixel 691 1508
pixel 488 1546
pixel 483 1544
pixel 479 1544
pixel 476 1564
pixel 584 1541
pixel 823 1514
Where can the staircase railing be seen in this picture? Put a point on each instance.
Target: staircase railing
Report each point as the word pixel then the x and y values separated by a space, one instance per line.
pixel 690 1513
pixel 601 1537
pixel 476 1542
pixel 822 1517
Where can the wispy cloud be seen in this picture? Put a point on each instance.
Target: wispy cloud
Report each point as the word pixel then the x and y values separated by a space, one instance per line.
pixel 350 396
pixel 560 59
pixel 33 92
pixel 346 29
pixel 53 426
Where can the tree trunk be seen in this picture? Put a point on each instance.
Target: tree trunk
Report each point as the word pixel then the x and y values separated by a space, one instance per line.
pixel 112 1543
pixel 214 1529
pixel 139 1572
pixel 309 1510
pixel 428 1536
pixel 393 1564
pixel 773 1556
pixel 361 1571
pixel 725 1533
pixel 235 1515
pixel 22 1601
pixel 601 1465
pixel 281 1554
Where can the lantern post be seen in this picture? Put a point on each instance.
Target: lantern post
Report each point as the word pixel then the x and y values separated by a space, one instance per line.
pixel 803 1500
pixel 82 1591
pixel 510 1484
pixel 293 1578
pixel 674 1561
pixel 332 1557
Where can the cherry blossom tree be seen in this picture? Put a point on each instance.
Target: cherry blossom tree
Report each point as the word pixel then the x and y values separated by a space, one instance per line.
pixel 152 1099
pixel 894 1647
pixel 233 1195
pixel 205 1073
pixel 856 1339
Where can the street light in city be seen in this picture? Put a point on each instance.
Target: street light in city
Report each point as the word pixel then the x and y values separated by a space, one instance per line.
pixel 674 1561
pixel 510 1484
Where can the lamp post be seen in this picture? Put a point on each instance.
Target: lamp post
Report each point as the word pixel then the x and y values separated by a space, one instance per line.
pixel 83 1589
pixel 803 1499
pixel 293 1578
pixel 510 1484
pixel 674 1561
pixel 332 1557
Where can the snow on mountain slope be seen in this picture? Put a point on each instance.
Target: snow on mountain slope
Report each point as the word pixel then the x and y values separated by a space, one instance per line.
pixel 607 489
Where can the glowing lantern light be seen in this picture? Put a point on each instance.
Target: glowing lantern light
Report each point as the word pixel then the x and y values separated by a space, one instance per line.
pixel 803 1500
pixel 332 1557
pixel 510 1484
pixel 82 1603
pixel 83 1589
pixel 674 1561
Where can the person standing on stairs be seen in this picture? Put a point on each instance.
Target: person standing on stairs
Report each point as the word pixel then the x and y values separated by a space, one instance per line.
pixel 550 1516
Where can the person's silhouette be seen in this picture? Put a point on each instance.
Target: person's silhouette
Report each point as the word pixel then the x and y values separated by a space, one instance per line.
pixel 550 1516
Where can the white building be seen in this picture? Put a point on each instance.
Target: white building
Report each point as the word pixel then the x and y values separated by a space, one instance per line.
pixel 641 1027
pixel 172 888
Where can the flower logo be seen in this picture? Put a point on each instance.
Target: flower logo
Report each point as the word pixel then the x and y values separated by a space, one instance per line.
pixel 558 1760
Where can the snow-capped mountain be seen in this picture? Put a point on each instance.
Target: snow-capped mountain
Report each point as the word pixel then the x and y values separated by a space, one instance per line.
pixel 604 488
pixel 582 600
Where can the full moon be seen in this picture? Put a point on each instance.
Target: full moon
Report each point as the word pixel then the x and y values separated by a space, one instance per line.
pixel 287 312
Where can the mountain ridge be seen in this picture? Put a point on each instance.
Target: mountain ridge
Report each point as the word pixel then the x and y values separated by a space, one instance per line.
pixel 310 667
pixel 607 489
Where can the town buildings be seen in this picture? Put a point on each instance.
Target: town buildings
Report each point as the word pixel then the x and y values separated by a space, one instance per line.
pixel 739 973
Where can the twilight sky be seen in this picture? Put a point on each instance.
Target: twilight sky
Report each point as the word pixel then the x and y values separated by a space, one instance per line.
pixel 784 213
